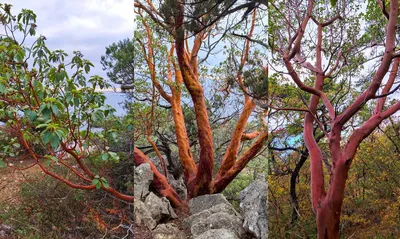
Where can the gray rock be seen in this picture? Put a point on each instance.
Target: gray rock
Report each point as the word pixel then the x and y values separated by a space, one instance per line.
pixel 254 205
pixel 220 220
pixel 217 233
pixel 206 213
pixel 204 202
pixel 142 215
pixel 5 231
pixel 167 231
pixel 142 178
pixel 160 208
pixel 178 185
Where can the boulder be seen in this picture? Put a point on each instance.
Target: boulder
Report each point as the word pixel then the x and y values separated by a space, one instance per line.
pixel 204 202
pixel 220 220
pixel 167 231
pixel 217 233
pixel 254 205
pixel 142 215
pixel 193 219
pixel 160 208
pixel 142 179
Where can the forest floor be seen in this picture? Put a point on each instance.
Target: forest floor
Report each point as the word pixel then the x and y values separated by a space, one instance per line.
pixel 37 206
pixel 11 179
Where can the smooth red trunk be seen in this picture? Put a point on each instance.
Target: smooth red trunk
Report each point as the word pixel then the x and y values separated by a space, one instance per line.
pixel 329 207
pixel 327 222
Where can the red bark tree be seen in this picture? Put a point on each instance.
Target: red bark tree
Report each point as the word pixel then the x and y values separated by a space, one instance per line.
pixel 199 177
pixel 327 199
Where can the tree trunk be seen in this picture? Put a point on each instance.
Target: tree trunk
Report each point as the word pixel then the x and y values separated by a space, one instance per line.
pixel 330 206
pixel 328 221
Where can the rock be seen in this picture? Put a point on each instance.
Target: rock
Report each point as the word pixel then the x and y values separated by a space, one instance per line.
pixel 142 215
pixel 5 231
pixel 160 208
pixel 167 231
pixel 220 220
pixel 193 219
pixel 204 202
pixel 178 185
pixel 217 233
pixel 254 205
pixel 143 177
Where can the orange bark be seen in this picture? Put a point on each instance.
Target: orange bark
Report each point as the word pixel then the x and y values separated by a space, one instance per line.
pixel 203 181
pixel 231 152
pixel 185 155
pixel 241 163
pixel 250 136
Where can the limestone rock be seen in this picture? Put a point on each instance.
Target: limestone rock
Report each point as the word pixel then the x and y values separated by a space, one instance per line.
pixel 193 219
pixel 142 178
pixel 220 220
pixel 204 202
pixel 254 205
pixel 217 233
pixel 142 215
pixel 160 208
pixel 167 231
pixel 178 185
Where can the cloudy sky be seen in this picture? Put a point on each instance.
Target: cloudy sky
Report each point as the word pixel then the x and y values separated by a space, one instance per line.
pixel 85 25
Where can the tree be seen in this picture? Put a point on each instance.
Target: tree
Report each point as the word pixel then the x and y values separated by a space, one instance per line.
pixel 118 61
pixel 48 113
pixel 337 48
pixel 181 73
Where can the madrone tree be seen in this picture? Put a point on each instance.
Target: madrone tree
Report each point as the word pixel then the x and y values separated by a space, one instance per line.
pixel 314 44
pixel 49 107
pixel 179 77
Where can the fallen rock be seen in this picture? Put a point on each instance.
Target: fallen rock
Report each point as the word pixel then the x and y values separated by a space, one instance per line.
pixel 204 202
pixel 254 205
pixel 220 220
pixel 217 233
pixel 142 215
pixel 160 208
pixel 143 177
pixel 167 231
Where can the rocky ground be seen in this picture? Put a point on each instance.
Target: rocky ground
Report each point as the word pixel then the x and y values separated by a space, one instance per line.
pixel 208 217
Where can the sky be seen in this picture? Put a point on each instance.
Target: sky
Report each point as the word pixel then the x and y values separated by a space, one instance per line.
pixel 84 25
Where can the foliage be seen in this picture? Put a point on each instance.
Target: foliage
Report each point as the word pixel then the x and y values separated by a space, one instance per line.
pixel 50 107
pixel 118 62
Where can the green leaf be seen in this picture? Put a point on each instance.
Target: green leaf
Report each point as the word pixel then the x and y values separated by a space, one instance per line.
pixel 2 164
pixel 54 141
pixel 104 156
pixel 96 181
pixel 51 157
pixel 42 126
pixel 46 137
pixel 46 113
pixel 55 110
pixel 32 116
pixel 3 89
pixel 98 116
